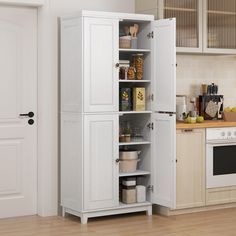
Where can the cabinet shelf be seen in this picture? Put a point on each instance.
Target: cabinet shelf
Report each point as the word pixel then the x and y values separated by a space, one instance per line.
pixel 136 173
pixel 134 112
pixel 134 81
pixel 180 9
pixel 137 204
pixel 135 143
pixel 221 13
pixel 134 50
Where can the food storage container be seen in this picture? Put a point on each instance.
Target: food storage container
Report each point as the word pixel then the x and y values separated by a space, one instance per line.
pixel 129 195
pixel 138 63
pixel 125 42
pixel 129 155
pixel 140 193
pixel 127 166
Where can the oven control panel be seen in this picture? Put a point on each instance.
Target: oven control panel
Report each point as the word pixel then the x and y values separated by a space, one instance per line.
pixel 228 133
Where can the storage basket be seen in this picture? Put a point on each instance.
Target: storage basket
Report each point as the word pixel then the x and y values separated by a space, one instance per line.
pixel 229 116
pixel 125 42
pixel 128 166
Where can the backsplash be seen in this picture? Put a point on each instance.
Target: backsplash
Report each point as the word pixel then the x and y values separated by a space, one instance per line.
pixel 194 70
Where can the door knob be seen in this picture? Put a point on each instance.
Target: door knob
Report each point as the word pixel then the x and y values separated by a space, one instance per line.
pixel 30 114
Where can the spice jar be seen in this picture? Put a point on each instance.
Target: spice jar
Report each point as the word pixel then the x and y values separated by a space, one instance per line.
pixel 138 62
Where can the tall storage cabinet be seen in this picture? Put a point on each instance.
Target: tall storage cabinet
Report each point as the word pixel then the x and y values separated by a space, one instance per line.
pixel 90 116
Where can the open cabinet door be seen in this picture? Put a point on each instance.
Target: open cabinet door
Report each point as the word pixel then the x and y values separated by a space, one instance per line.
pixel 164 65
pixel 164 119
pixel 164 160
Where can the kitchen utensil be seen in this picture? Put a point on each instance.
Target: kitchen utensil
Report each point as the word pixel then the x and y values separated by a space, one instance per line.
pixel 211 109
pixel 132 31
pixel 129 155
pixel 136 28
pixel 126 30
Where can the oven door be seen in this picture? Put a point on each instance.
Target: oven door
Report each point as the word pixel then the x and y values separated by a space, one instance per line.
pixel 220 164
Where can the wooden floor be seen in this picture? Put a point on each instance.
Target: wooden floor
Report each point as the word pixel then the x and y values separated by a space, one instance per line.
pixel 220 222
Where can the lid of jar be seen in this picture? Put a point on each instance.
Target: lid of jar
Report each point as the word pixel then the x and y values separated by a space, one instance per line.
pixel 138 54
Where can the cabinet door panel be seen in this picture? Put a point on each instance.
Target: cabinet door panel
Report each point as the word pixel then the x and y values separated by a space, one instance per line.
pixel 164 65
pixel 100 167
pixel 100 58
pixel 190 168
pixel 163 160
pixel 219 26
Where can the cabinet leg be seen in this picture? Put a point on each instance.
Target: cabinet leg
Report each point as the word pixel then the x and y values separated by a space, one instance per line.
pixel 149 211
pixel 84 219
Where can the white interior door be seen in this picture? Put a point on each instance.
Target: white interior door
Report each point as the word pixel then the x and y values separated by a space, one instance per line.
pixel 164 160
pixel 18 95
pixel 164 65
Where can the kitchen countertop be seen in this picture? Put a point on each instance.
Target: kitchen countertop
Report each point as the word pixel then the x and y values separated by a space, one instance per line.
pixel 205 124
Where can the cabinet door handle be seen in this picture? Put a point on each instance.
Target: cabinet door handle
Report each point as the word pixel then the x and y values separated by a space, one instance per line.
pixel 187 130
pixel 117 65
pixel 117 160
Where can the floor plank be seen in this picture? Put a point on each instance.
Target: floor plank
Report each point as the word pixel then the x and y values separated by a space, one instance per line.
pixel 217 223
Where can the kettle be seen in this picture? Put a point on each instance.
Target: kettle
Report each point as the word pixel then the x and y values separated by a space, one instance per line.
pixel 181 106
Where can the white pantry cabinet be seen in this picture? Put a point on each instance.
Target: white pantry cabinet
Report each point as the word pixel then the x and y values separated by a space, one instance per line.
pixel 91 120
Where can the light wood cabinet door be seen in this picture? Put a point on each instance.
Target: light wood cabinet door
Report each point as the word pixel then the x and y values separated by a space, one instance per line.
pixel 190 168
pixel 101 55
pixel 219 21
pixel 101 171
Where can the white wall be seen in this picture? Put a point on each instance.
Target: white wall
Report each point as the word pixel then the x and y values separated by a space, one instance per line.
pixel 59 8
pixel 194 70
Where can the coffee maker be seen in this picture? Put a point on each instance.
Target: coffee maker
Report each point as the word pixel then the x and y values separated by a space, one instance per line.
pixel 210 103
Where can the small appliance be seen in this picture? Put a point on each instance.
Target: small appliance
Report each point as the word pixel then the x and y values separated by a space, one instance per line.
pixel 181 106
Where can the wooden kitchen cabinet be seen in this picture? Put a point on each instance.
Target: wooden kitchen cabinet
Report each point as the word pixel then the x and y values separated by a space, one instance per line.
pixel 202 26
pixel 219 26
pixel 224 195
pixel 190 168
pixel 188 16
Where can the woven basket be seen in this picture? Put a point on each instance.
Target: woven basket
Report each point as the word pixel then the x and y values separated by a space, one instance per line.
pixel 229 116
pixel 125 42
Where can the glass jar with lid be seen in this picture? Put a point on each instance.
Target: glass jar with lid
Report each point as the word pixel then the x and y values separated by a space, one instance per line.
pixel 138 63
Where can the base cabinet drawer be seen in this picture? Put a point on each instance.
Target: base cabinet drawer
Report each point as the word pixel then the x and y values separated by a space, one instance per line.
pixel 216 196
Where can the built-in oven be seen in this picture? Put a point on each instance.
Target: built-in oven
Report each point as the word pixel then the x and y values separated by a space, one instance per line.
pixel 220 157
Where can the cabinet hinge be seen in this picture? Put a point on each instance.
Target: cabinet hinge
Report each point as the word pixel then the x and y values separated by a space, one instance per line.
pixel 152 97
pixel 150 126
pixel 150 188
pixel 150 35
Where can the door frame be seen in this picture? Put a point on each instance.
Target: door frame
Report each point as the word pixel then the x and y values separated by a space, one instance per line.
pixel 47 174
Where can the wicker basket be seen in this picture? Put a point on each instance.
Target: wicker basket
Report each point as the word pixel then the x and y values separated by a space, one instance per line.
pixel 125 42
pixel 229 116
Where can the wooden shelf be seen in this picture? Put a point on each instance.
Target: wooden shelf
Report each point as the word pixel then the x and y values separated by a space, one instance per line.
pixel 221 13
pixel 134 112
pixel 136 173
pixel 134 81
pixel 180 9
pixel 134 50
pixel 135 143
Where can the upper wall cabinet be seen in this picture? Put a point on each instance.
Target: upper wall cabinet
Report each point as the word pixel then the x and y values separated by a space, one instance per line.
pixel 202 26
pixel 188 16
pixel 219 26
